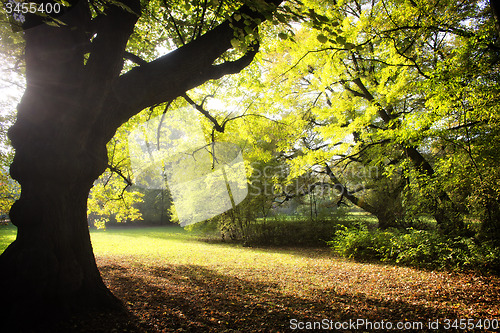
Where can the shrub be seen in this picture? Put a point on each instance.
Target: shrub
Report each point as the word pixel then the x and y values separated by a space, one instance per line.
pixel 361 244
pixel 279 230
pixel 417 248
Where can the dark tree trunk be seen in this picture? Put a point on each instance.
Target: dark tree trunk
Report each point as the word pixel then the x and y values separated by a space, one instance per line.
pixel 70 110
pixel 387 219
pixel 495 9
pixel 50 268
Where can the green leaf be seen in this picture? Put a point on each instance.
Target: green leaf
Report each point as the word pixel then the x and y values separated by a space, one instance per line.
pixel 248 30
pixel 349 46
pixel 282 36
pixel 235 43
pixel 322 38
pixel 281 18
pixel 341 40
pixel 322 18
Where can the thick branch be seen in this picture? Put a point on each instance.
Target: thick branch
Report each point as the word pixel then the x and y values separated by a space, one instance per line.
pixel 105 62
pixel 348 195
pixel 135 58
pixel 233 67
pixel 368 96
pixel 173 74
pixel 108 47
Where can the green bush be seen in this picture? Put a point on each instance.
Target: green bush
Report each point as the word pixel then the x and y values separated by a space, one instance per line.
pixel 279 230
pixel 272 232
pixel 417 248
pixel 209 228
pixel 361 244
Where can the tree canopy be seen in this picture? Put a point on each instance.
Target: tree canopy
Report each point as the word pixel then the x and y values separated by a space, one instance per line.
pixel 396 87
pixel 392 104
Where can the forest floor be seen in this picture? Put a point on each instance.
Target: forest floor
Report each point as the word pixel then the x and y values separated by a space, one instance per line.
pixel 171 282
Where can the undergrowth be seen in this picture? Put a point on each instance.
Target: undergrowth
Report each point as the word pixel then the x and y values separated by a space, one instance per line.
pixel 416 248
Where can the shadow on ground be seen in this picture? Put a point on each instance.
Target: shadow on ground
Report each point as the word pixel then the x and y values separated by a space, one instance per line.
pixel 186 298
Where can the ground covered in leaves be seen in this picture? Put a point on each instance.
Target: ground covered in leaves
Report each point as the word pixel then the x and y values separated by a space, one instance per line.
pixel 192 298
pixel 173 283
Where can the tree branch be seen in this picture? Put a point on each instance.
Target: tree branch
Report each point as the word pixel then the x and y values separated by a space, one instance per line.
pixel 348 195
pixel 233 67
pixel 369 97
pixel 105 62
pixel 175 73
pixel 200 108
pixel 108 47
pixel 176 27
pixel 120 173
pixel 136 59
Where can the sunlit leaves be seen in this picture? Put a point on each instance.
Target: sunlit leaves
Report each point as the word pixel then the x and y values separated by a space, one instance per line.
pixel 409 60
pixel 109 200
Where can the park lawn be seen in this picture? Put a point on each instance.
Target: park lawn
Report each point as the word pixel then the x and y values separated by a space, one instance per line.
pixel 7 236
pixel 171 281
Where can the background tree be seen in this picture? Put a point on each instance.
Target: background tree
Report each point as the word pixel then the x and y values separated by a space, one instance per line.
pixel 11 83
pixel 362 87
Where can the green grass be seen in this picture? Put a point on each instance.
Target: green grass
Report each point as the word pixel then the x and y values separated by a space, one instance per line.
pixel 172 245
pixel 167 241
pixel 361 217
pixel 7 236
pixel 168 278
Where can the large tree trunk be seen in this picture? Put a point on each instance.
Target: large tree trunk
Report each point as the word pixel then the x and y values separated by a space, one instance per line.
pixel 70 110
pixel 50 268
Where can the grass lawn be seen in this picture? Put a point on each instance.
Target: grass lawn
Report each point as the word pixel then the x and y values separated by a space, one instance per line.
pixel 170 281
pixel 7 236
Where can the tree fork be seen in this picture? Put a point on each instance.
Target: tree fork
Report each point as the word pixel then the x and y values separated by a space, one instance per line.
pixel 384 220
pixel 69 111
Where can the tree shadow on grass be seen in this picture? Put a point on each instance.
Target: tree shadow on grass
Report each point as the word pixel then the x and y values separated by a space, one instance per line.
pixel 190 298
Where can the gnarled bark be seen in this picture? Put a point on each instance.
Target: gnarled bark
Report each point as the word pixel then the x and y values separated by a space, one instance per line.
pixel 68 113
pixel 50 268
